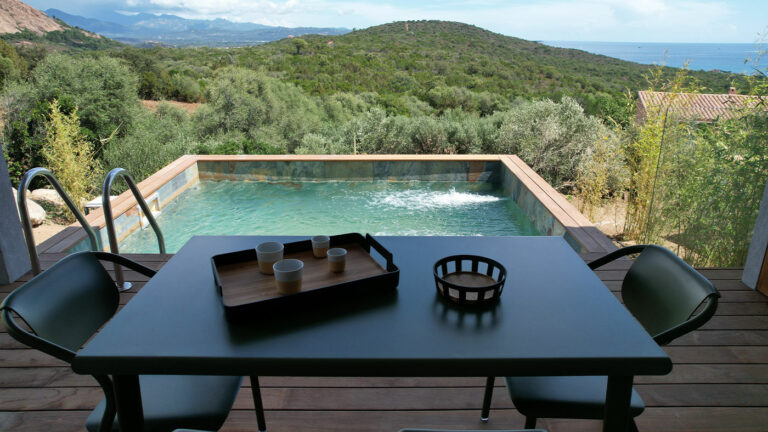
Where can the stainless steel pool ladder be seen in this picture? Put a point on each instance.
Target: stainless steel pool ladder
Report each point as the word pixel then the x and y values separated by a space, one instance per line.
pixel 26 224
pixel 109 221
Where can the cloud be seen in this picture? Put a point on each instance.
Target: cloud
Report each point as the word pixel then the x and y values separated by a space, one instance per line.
pixel 617 20
pixel 644 7
pixel 608 20
pixel 239 10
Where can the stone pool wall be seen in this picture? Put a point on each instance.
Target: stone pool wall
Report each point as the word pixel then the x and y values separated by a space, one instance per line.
pixel 280 171
pixel 129 221
pixel 542 218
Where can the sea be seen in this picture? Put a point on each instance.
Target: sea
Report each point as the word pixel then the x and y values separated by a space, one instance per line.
pixel 731 57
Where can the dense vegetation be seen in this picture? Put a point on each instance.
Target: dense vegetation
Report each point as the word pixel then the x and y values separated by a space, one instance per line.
pixel 417 87
pixel 697 186
pixel 447 65
pixel 67 38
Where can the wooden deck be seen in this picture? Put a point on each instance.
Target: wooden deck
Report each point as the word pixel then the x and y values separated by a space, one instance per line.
pixel 719 383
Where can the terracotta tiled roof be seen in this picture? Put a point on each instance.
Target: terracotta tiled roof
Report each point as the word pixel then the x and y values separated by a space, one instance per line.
pixel 694 106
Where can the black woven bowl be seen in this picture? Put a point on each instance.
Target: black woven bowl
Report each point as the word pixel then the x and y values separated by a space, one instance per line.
pixel 469 279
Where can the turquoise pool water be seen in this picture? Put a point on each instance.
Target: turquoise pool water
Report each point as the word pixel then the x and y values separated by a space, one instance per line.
pixel 336 207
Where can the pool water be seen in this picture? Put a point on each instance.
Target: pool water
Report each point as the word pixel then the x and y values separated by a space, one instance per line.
pixel 336 207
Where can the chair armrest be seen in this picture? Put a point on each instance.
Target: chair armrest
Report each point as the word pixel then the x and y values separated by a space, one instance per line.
pixel 32 340
pixel 123 261
pixel 692 323
pixel 605 259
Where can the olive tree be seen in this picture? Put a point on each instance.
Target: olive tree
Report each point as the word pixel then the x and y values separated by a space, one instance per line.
pixel 104 90
pixel 550 137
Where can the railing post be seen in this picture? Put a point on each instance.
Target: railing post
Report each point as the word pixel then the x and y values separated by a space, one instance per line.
pixel 26 225
pixel 756 268
pixel 110 222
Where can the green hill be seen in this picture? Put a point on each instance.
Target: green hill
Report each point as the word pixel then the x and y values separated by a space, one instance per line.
pixel 405 56
pixel 417 56
pixel 435 61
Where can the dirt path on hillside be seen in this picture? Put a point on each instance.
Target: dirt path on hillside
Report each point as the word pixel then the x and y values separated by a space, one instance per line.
pixel 186 106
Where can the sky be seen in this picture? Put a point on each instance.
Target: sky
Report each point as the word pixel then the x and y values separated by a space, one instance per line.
pixel 733 21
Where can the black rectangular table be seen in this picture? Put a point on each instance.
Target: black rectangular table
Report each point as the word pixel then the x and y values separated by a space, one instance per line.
pixel 555 317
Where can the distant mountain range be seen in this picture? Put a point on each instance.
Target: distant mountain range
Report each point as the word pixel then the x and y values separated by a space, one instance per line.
pixel 148 29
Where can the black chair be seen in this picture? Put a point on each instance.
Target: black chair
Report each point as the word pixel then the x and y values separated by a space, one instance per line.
pixel 60 309
pixel 663 293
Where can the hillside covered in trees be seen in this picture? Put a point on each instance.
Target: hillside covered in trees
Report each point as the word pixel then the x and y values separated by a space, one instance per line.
pixel 404 87
pixel 445 64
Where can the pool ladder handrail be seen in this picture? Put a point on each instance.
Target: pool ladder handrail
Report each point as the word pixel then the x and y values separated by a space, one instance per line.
pixel 26 223
pixel 110 223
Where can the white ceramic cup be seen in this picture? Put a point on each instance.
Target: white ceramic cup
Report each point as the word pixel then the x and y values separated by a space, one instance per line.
pixel 337 259
pixel 268 253
pixel 288 275
pixel 320 245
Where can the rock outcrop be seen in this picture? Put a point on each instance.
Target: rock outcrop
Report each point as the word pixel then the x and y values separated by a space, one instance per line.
pixel 16 16
pixel 36 213
pixel 48 196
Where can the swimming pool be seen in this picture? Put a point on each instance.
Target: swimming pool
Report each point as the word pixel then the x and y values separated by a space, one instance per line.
pixel 425 195
pixel 426 208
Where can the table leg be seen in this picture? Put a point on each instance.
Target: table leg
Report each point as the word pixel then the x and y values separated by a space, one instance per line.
pixel 256 391
pixel 128 403
pixel 617 399
pixel 487 398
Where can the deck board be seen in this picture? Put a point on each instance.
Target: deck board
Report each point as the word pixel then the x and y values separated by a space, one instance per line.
pixel 719 382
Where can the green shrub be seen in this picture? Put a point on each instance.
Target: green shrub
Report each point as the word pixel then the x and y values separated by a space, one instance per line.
pixel 661 128
pixel 698 189
pixel 341 107
pixel 464 132
pixel 69 156
pixel 104 88
pixel 183 88
pixel 443 98
pixel 550 137
pixel 376 132
pixel 103 91
pixel 428 136
pixel 319 144
pixel 234 143
pixel 708 188
pixel 25 129
pixel 12 66
pixel 601 173
pixel 155 140
pixel 262 108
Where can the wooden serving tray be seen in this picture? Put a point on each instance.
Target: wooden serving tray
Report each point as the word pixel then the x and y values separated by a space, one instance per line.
pixel 244 289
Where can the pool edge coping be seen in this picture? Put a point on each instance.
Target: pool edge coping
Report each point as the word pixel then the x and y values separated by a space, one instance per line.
pixel 591 239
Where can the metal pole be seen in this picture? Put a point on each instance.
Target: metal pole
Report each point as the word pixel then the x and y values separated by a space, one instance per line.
pixel 656 175
pixel 26 224
pixel 110 223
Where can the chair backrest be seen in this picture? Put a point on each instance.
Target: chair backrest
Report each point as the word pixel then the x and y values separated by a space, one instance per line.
pixel 63 306
pixel 662 291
